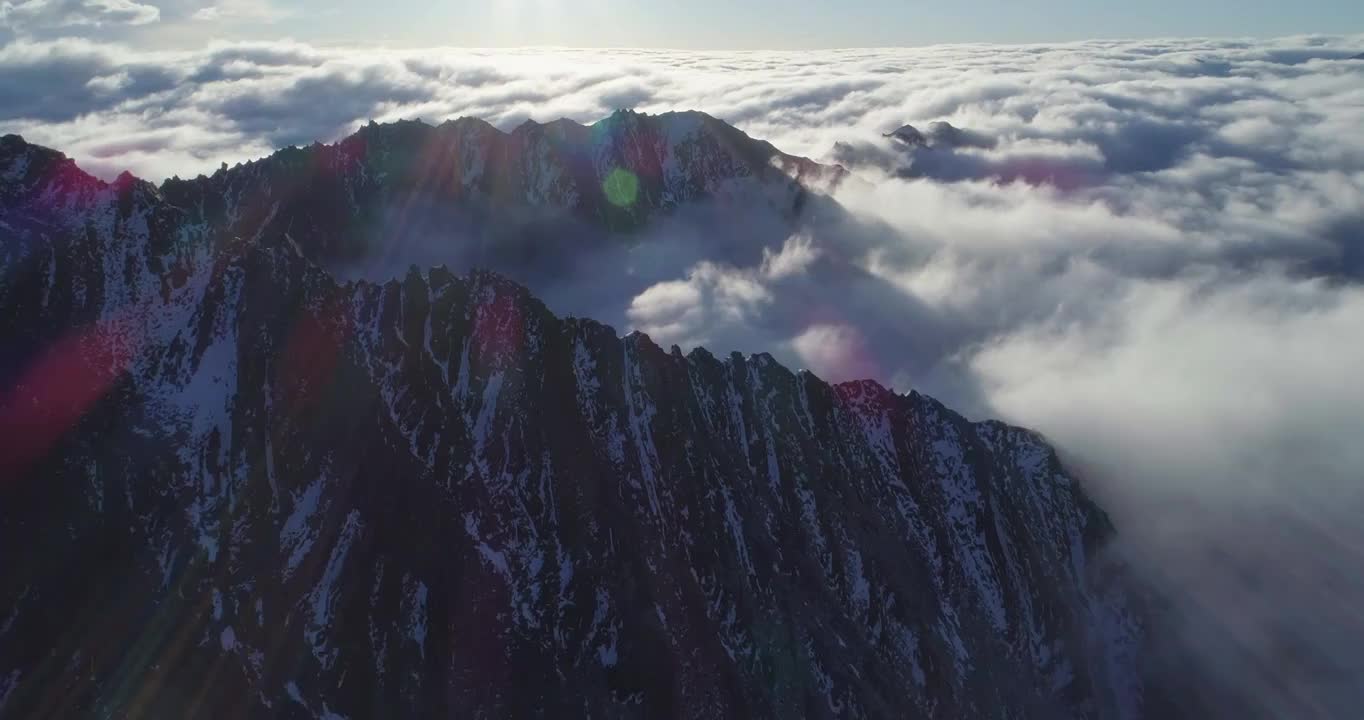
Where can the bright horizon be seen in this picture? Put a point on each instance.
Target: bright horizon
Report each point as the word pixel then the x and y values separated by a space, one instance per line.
pixel 702 25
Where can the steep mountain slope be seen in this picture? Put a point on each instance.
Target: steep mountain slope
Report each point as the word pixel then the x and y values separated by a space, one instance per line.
pixel 234 485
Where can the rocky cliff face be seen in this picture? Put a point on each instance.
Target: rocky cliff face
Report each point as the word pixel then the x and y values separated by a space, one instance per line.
pixel 233 485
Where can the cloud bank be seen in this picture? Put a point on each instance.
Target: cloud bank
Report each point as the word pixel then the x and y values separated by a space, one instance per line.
pixel 1152 251
pixel 1123 106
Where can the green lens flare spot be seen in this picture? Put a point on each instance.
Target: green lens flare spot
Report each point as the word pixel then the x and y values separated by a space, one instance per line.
pixel 621 187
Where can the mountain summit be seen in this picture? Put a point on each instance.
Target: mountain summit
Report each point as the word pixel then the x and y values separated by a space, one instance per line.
pixel 465 178
pixel 236 486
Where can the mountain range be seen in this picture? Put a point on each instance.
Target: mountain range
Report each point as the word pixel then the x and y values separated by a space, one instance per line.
pixel 237 483
pixel 387 186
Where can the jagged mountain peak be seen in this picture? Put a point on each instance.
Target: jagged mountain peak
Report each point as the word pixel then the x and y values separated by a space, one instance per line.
pixel 490 195
pixel 940 135
pixel 671 127
pixel 909 135
pixel 27 169
pixel 386 183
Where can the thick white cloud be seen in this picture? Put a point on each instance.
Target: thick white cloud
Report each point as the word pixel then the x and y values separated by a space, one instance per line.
pixel 1152 251
pixel 689 311
pixel 834 351
pixel 1099 106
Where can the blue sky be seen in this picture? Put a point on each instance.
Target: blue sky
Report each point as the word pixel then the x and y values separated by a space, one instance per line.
pixel 763 24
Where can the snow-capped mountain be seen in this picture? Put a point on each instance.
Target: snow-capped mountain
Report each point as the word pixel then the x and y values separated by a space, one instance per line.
pixel 234 485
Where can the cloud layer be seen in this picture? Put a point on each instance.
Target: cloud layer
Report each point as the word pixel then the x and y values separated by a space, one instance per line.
pixel 1151 251
pixel 1092 107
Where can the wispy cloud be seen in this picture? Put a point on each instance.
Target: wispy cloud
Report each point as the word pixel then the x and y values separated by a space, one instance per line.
pixel 242 11
pixel 46 14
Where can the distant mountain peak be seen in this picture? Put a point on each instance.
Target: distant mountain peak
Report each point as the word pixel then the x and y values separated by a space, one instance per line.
pixel 940 135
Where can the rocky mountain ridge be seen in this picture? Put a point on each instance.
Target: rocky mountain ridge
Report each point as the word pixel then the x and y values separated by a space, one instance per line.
pixel 464 178
pixel 238 486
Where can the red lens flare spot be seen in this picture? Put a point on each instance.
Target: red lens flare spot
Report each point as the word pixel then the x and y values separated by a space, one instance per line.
pixel 498 328
pixel 312 353
pixel 59 387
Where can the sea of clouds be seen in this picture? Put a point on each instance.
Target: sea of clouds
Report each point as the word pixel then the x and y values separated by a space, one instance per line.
pixel 1151 251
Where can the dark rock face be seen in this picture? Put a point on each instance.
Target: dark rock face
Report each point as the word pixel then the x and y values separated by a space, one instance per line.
pixel 234 486
pixel 940 135
pixel 942 152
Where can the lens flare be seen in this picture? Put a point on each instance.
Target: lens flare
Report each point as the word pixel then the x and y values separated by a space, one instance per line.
pixel 59 387
pixel 621 187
